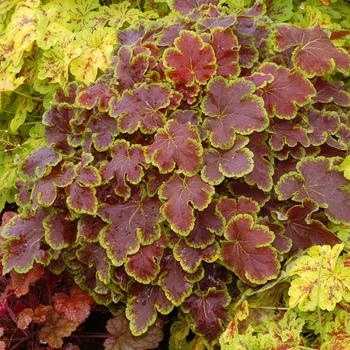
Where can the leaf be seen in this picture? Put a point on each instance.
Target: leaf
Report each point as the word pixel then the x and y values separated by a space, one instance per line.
pixel 37 164
pixel 232 109
pixel 320 279
pixel 235 162
pixel 60 232
pixel 55 329
pixel 44 191
pixel 143 266
pixel 187 6
pixel 24 106
pixel 287 91
pixel 143 303
pixel 89 227
pixel 54 63
pixel 82 199
pixel 303 230
pixel 345 167
pixel 95 259
pixel 97 95
pixel 178 192
pixel 58 129
pixel 22 244
pixel 126 164
pixel 96 49
pixel 88 175
pixel 191 258
pixel 131 222
pixel 317 179
pixel 19 283
pixel 121 338
pixel 247 250
pixel 174 280
pixel 263 170
pixel 176 145
pixel 209 312
pixel 287 132
pixel 103 129
pixel 313 51
pixel 190 61
pixel 75 307
pixel 140 108
pixel 331 92
pixel 279 11
pixel 226 47
pixel 322 124
pixel 24 318
pixel 131 66
pixel 215 276
pixel 207 223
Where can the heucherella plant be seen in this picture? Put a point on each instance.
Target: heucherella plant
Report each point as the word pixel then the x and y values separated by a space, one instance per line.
pixel 185 177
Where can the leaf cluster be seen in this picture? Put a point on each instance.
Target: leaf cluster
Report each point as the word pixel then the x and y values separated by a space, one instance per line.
pixel 209 153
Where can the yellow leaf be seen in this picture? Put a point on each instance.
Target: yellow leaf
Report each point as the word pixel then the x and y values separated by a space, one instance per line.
pixel 321 279
pixel 96 50
pixel 345 167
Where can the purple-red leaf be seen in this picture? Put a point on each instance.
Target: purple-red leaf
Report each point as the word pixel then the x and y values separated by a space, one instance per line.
pixel 208 224
pixel 287 132
pixel 247 250
pixel 191 258
pixel 97 95
pixel 191 60
pixel 318 179
pixel 314 52
pixel 60 232
pixel 37 164
pixel 303 230
pixel 232 108
pixel 178 192
pixel 225 45
pixel 321 125
pixel 187 6
pixel 235 162
pixel 141 108
pixel 143 303
pixel 131 222
pixel 82 199
pixel 44 190
pixel 263 170
pixel 209 312
pixel 287 91
pixel 328 92
pixel 23 243
pixel 176 145
pixel 174 280
pixel 126 164
pixel 143 266
pixel 228 208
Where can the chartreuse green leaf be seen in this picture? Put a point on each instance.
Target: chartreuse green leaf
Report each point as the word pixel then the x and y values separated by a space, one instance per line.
pixel 96 48
pixel 345 167
pixel 321 279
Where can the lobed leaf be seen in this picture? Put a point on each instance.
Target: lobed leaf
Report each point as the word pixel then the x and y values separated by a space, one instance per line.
pixel 178 192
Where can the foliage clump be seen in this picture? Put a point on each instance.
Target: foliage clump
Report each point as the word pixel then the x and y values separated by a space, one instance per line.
pixel 187 179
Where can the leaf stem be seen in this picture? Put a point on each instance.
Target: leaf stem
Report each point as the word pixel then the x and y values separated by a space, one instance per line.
pixel 28 96
pixel 90 335
pixel 270 308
